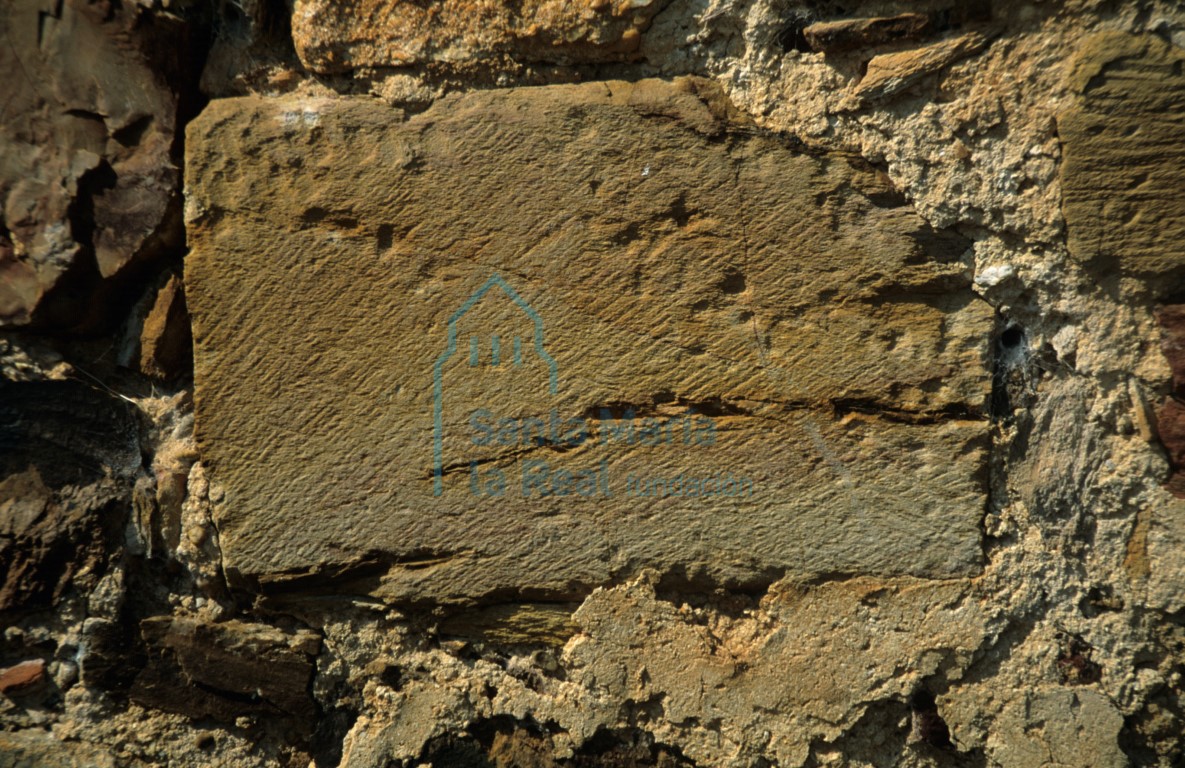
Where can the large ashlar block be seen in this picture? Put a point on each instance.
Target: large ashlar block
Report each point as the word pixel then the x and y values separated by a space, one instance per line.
pixel 533 340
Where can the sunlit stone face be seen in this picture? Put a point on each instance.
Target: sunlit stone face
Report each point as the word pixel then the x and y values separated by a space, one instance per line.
pixel 535 339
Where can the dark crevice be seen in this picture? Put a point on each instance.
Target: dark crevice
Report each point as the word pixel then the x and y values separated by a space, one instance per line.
pixel 952 412
pixel 793 37
pixel 132 134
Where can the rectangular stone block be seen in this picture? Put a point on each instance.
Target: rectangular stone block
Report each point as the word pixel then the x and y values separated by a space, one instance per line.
pixel 531 340
pixel 1124 162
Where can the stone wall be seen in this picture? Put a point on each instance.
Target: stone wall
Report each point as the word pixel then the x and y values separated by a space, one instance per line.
pixel 603 383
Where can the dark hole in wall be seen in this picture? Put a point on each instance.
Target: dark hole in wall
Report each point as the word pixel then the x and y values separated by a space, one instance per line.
pixel 385 236
pixel 957 16
pixel 502 742
pixel 1012 337
pixel 733 281
pixel 928 724
pixel 133 133
pixel 791 38
pixel 330 733
pixel 70 431
pixel 1010 374
pixel 1074 662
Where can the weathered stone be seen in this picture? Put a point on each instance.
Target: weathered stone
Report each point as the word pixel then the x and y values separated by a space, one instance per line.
pixel 67 455
pixel 1123 164
pixel 227 669
pixel 22 676
pixel 335 36
pixel 1164 543
pixel 107 654
pixel 891 73
pixel 84 150
pixel 843 646
pixel 829 348
pixel 846 34
pixel 1059 726
pixel 817 660
pixel 165 339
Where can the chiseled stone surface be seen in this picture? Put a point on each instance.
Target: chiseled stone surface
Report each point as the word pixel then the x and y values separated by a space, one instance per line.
pixel 765 315
pixel 332 36
pixel 1124 164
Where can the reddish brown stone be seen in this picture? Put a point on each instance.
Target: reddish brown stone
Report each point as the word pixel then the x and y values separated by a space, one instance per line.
pixel 22 676
pixel 1172 341
pixel 1171 426
pixel 1170 421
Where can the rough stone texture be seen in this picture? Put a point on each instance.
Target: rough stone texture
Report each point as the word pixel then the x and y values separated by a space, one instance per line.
pixel 226 670
pixel 891 73
pixel 1060 727
pixel 668 257
pixel 1124 167
pixel 68 453
pixel 333 36
pixel 1064 645
pixel 165 337
pixel 86 179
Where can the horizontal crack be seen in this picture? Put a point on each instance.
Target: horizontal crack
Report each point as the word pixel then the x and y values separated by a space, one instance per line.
pixel 951 412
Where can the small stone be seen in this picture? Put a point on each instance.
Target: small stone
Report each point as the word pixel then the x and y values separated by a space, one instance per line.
pixel 165 340
pixel 1059 726
pixel 22 676
pixel 1170 420
pixel 994 275
pixel 847 34
pixel 227 670
pixel 891 73
pixel 1170 425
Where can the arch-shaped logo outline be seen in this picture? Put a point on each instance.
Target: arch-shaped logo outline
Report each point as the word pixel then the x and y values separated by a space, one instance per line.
pixel 437 369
